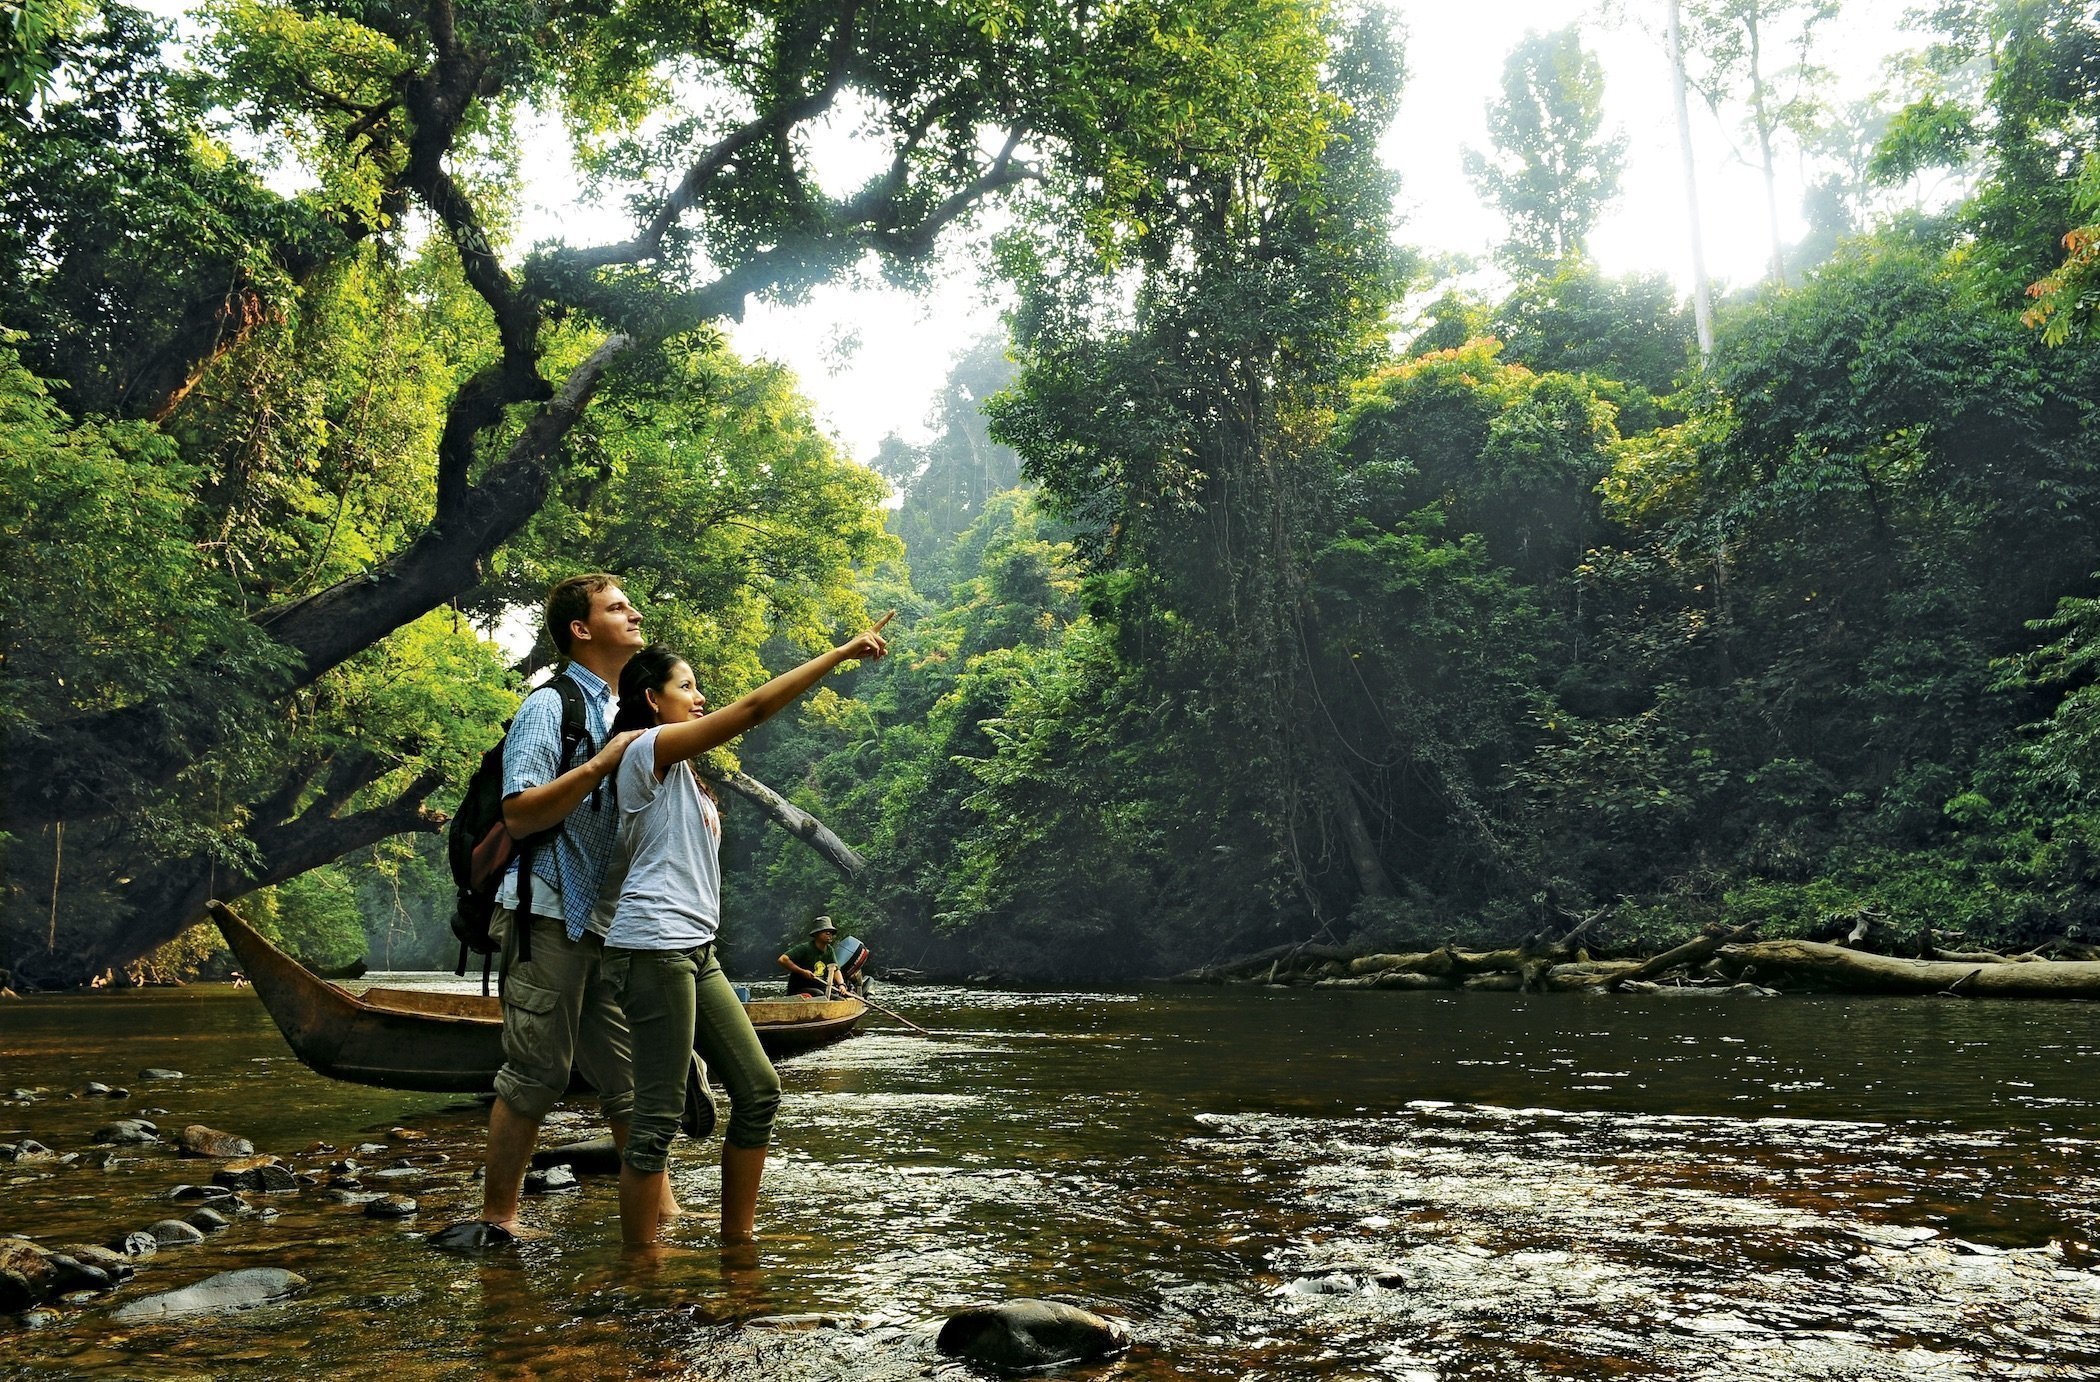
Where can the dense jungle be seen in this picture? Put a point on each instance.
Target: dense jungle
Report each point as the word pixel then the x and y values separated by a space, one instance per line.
pixel 1266 580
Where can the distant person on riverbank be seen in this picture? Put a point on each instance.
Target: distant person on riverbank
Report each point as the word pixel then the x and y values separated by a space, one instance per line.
pixel 559 1011
pixel 660 948
pixel 825 963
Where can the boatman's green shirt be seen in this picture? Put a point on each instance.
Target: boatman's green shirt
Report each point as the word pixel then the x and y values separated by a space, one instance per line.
pixel 809 958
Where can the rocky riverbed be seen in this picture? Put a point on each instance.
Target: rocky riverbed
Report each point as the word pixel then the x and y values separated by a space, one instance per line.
pixel 1239 1184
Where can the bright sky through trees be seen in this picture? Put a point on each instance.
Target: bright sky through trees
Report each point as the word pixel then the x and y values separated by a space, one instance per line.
pixel 872 358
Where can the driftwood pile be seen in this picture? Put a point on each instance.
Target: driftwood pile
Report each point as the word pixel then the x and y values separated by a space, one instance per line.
pixel 1722 960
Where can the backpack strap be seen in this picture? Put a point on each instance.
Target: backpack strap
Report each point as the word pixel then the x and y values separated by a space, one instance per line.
pixel 575 731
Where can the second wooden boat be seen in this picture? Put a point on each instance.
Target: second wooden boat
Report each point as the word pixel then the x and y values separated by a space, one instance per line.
pixel 423 1039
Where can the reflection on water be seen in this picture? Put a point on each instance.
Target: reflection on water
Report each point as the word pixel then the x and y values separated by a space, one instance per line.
pixel 1261 1184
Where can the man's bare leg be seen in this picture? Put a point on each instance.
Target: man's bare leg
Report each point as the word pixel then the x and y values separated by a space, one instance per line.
pixel 511 1136
pixel 742 1168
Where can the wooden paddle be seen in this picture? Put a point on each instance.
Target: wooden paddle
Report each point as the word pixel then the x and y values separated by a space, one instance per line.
pixel 893 1013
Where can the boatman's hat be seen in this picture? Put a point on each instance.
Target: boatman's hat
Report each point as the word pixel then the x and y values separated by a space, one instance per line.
pixel 823 924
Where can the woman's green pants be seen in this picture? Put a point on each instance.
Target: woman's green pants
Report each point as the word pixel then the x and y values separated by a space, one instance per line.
pixel 678 1001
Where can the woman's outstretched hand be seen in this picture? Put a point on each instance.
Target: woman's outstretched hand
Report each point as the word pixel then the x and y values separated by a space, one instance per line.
pixel 871 644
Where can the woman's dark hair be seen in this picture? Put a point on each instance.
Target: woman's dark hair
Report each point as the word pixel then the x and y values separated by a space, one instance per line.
pixel 646 671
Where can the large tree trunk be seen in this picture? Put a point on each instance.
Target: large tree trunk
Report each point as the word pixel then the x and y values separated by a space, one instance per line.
pixel 1761 114
pixel 795 821
pixel 1702 290
pixel 1835 969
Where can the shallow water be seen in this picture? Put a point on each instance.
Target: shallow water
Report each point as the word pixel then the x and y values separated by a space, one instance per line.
pixel 1277 1184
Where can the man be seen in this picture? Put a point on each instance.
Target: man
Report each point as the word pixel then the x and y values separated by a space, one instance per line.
pixel 557 1014
pixel 818 965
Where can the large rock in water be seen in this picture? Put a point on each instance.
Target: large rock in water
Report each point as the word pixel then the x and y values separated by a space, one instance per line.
pixel 239 1290
pixel 263 1174
pixel 200 1140
pixel 27 1275
pixel 1021 1334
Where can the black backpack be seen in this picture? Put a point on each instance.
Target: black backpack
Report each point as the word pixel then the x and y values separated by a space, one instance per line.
pixel 480 845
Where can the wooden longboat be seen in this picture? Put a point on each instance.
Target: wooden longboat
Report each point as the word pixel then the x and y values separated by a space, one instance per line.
pixel 449 1042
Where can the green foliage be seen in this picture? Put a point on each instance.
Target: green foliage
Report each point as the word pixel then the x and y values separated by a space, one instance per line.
pixel 314 918
pixel 120 210
pixel 119 603
pixel 30 32
pixel 1554 169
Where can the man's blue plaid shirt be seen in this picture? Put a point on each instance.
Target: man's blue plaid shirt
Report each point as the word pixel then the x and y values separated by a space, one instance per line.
pixel 583 850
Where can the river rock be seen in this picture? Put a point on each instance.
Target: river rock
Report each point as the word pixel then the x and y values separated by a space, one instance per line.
pixel 265 1174
pixel 551 1181
pixel 391 1207
pixel 127 1132
pixel 1021 1334
pixel 405 1135
pixel 595 1157
pixel 116 1264
pixel 94 1089
pixel 23 1096
pixel 208 1219
pixel 199 1140
pixel 154 1072
pixel 174 1233
pixel 135 1244
pixel 370 1149
pixel 27 1276
pixel 339 1194
pixel 72 1274
pixel 28 1151
pixel 227 1291
pixel 209 1194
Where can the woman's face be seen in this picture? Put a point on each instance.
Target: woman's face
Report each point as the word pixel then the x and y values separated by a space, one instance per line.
pixel 679 698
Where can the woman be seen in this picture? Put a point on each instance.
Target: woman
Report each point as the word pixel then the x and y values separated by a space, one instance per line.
pixel 659 950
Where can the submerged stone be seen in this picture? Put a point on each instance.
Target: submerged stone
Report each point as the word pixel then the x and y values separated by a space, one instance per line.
pixel 473 1236
pixel 72 1274
pixel 208 1219
pixel 127 1132
pixel 391 1207
pixel 260 1173
pixel 200 1140
pixel 119 1267
pixel 1022 1334
pixel 553 1180
pixel 154 1072
pixel 241 1290
pixel 173 1233
pixel 137 1243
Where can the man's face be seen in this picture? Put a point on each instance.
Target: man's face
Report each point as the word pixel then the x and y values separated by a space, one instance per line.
pixel 823 939
pixel 614 622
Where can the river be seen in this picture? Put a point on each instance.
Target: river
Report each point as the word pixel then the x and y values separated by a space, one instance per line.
pixel 1257 1183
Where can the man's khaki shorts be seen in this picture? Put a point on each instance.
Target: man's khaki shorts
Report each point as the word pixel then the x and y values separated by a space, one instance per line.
pixel 559 1018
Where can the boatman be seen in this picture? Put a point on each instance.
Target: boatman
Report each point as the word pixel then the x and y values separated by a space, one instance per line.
pixel 558 1014
pixel 823 963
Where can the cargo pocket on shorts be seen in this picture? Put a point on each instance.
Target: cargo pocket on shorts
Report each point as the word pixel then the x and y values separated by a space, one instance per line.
pixel 532 1036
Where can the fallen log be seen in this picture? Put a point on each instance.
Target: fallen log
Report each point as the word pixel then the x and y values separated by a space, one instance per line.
pixel 1835 969
pixel 1586 974
pixel 1272 959
pixel 1692 952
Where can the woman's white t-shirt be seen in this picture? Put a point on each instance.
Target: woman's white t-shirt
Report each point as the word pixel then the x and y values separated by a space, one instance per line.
pixel 669 839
